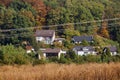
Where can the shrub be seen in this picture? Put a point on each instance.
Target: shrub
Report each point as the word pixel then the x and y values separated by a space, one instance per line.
pixel 92 58
pixel 53 59
pixel 64 60
pixel 12 55
pixel 115 58
pixel 37 62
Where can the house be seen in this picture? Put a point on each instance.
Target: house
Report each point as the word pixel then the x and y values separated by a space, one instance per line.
pixel 113 50
pixel 84 50
pixel 46 36
pixel 29 49
pixel 79 39
pixel 52 52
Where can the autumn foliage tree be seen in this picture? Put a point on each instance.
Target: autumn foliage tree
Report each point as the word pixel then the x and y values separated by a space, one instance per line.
pixel 5 2
pixel 104 30
pixel 40 7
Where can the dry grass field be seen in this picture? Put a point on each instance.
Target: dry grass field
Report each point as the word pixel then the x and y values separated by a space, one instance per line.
pixel 61 72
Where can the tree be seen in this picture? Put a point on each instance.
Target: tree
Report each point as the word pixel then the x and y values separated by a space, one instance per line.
pixel 12 55
pixel 1 55
pixel 63 59
pixel 7 16
pixel 96 9
pixel 106 55
pixel 53 17
pixel 85 43
pixel 68 44
pixel 25 14
pixel 115 32
pixel 5 2
pixel 34 43
pixel 21 21
pixel 28 14
pixel 17 15
pixel 41 10
pixel 18 5
pixel 70 33
pixel 104 31
pixel 71 54
pixel 58 45
pixel 2 10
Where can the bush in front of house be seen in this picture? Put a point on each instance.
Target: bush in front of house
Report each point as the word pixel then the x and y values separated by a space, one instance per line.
pixel 64 60
pixel 115 58
pixel 41 61
pixel 92 58
pixel 52 59
pixel 13 55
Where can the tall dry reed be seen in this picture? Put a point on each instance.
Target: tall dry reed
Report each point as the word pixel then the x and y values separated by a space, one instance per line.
pixel 61 72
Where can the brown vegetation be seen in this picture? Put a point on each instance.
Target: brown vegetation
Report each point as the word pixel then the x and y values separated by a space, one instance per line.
pixel 61 72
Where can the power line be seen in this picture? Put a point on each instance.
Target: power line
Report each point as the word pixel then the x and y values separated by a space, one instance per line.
pixel 78 23
pixel 26 34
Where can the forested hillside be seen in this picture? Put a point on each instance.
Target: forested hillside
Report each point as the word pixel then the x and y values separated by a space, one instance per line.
pixel 19 19
pixel 16 14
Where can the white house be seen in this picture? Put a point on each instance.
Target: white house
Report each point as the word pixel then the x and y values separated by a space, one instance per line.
pixel 81 50
pixel 46 36
pixel 113 50
pixel 52 52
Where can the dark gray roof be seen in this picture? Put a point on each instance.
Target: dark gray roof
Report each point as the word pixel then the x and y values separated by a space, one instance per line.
pixel 44 33
pixel 113 49
pixel 82 48
pixel 51 50
pixel 81 38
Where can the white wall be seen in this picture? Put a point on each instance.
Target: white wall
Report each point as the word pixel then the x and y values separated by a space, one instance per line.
pixel 44 55
pixel 39 57
pixel 53 38
pixel 46 40
pixel 28 51
pixel 80 53
pixel 113 53
pixel 63 52
pixel 59 55
pixel 39 38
